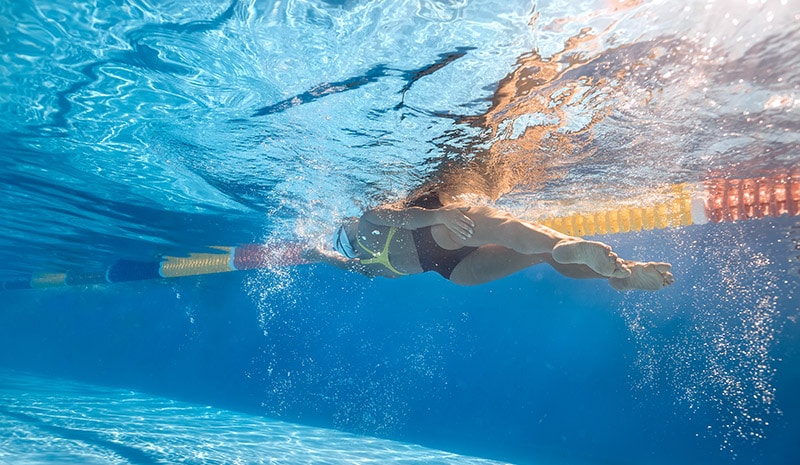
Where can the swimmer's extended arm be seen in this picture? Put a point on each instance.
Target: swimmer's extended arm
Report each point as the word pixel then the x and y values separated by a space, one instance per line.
pixel 315 255
pixel 416 217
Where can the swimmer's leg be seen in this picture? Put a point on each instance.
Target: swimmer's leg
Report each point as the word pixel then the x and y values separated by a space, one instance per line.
pixel 490 263
pixel 496 227
pixel 493 262
pixel 492 226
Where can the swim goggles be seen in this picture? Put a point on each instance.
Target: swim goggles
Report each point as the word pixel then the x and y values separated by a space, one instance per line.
pixel 341 243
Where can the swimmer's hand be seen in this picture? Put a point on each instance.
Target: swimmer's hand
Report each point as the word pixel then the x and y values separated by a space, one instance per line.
pixel 456 221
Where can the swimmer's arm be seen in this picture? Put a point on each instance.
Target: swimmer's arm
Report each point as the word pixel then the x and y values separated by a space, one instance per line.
pixel 316 255
pixel 416 217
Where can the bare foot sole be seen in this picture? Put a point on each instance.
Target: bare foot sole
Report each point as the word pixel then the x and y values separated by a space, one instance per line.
pixel 595 255
pixel 644 276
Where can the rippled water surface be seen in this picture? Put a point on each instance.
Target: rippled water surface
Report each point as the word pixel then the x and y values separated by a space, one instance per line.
pixel 138 129
pixel 125 119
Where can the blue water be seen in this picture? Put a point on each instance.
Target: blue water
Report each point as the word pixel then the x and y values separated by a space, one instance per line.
pixel 136 130
pixel 68 422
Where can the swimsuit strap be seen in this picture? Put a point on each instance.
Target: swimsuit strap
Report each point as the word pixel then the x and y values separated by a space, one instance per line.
pixel 382 257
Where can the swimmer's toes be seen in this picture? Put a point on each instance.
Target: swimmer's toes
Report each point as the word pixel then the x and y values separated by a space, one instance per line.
pixel 645 277
pixel 664 270
pixel 621 270
pixel 662 267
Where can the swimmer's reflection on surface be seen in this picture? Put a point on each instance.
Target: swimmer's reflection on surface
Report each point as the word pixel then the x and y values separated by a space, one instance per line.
pixel 437 229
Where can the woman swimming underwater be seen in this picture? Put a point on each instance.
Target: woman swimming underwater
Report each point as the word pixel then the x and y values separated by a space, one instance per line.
pixel 472 245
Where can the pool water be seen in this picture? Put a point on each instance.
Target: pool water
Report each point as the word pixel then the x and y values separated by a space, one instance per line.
pixel 139 130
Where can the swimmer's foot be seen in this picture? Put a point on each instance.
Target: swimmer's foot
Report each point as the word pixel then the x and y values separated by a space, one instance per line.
pixel 595 255
pixel 644 276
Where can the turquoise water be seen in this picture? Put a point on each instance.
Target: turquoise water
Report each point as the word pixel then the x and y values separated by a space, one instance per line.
pixel 138 130
pixel 68 422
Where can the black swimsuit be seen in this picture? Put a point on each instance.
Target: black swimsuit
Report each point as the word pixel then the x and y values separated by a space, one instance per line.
pixel 432 257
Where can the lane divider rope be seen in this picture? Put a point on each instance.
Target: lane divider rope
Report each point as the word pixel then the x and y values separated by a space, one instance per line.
pixel 712 201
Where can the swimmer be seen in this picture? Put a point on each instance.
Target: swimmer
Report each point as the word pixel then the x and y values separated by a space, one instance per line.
pixel 471 245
